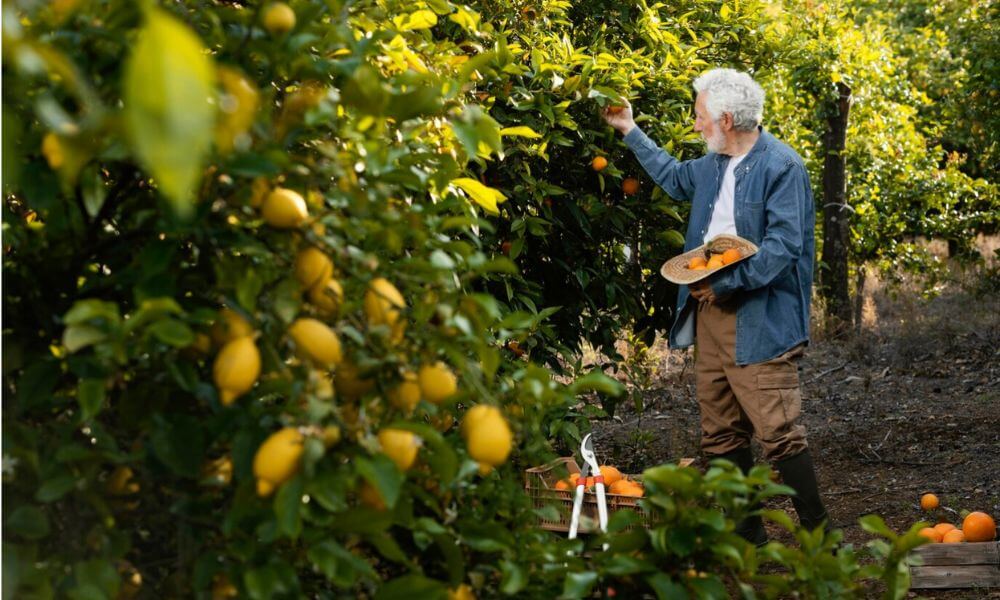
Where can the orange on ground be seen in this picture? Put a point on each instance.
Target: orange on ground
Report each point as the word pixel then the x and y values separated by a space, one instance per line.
pixel 954 536
pixel 715 262
pixel 979 527
pixel 931 534
pixel 630 186
pixel 929 502
pixel 599 163
pixel 611 475
pixel 697 263
pixel 730 256
pixel 943 528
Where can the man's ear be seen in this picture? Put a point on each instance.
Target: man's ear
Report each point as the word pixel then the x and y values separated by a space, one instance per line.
pixel 727 121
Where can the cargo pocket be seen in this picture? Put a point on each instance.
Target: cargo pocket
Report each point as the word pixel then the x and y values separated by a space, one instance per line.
pixel 781 403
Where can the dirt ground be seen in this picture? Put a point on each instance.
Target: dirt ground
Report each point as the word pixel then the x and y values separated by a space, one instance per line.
pixel 910 404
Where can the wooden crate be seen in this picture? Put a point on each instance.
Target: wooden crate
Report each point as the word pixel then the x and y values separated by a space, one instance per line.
pixel 539 483
pixel 963 565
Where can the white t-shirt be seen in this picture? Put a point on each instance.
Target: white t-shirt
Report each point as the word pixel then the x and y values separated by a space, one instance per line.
pixel 723 219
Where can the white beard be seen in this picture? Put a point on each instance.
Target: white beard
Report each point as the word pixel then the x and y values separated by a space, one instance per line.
pixel 715 143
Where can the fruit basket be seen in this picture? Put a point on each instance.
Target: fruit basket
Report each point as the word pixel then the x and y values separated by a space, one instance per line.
pixel 540 484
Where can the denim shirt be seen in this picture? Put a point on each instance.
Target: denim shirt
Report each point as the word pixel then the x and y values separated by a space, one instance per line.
pixel 773 208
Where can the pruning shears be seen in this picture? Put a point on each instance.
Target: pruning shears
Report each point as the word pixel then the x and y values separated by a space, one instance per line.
pixel 589 465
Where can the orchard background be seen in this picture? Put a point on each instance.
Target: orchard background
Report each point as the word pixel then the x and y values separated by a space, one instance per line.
pixel 362 223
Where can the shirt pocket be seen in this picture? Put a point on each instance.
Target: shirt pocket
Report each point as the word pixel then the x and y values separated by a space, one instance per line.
pixel 753 217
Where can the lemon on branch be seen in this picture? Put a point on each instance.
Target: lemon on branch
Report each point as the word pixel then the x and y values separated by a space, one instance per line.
pixel 277 459
pixel 236 369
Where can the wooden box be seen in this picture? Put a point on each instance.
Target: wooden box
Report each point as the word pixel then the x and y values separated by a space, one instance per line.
pixel 962 565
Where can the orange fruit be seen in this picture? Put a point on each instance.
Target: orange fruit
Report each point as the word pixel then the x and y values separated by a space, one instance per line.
pixel 632 489
pixel 611 475
pixel 943 528
pixel 615 109
pixel 563 485
pixel 929 502
pixel 954 536
pixel 599 163
pixel 931 534
pixel 730 256
pixel 630 186
pixel 620 486
pixel 715 262
pixel 979 527
pixel 698 263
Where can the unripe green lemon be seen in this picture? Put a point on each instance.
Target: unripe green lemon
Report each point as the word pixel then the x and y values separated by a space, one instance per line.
pixel 399 445
pixel 284 209
pixel 236 369
pixel 277 459
pixel 437 382
pixel 315 341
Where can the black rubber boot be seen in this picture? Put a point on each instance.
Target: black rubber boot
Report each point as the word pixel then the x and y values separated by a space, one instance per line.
pixel 799 474
pixel 751 528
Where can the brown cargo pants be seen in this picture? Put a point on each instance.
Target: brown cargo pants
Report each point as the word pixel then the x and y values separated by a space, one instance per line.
pixel 761 400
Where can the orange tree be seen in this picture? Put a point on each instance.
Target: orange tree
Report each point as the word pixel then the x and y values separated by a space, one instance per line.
pixel 247 348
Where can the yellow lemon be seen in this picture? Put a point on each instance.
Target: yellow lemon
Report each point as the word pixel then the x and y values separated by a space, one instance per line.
pixel 406 395
pixel 327 296
pixel 321 384
pixel 52 150
pixel 279 18
pixel 487 435
pixel 462 592
pixel 437 382
pixel 383 302
pixel 238 105
pixel 399 445
pixel 315 341
pixel 312 267
pixel 228 326
pixel 120 482
pixel 284 209
pixel 277 459
pixel 331 435
pixel 371 497
pixel 349 383
pixel 236 369
pixel 259 190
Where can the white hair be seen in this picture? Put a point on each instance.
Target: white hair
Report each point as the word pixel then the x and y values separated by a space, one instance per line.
pixel 733 92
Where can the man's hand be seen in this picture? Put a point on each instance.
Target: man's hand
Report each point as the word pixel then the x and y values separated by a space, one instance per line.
pixel 702 291
pixel 620 117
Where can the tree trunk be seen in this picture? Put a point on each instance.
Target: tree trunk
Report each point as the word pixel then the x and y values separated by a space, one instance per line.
pixel 836 216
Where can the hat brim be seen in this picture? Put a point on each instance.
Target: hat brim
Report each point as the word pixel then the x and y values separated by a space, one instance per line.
pixel 676 269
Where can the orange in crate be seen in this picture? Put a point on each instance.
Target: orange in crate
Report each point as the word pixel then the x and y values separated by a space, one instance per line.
pixel 543 486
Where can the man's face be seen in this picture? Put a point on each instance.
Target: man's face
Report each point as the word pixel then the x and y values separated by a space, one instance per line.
pixel 711 131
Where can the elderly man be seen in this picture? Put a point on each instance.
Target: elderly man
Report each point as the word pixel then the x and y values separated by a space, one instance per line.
pixel 751 320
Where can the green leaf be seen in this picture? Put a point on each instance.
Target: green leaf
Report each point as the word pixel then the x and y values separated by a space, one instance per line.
pixel 520 131
pixel 483 195
pixel 513 578
pixel 28 522
pixel 288 508
pixel 597 382
pixel 172 332
pixel 666 588
pixel 90 395
pixel 85 310
pixel 93 190
pixel 55 488
pixel 36 383
pixel 412 586
pixel 77 337
pixel 578 585
pixel 169 111
pixel 673 237
pixel 382 473
pixel 338 564
pixel 421 19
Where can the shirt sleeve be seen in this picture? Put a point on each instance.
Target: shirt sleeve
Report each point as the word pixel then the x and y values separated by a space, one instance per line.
pixel 784 211
pixel 675 177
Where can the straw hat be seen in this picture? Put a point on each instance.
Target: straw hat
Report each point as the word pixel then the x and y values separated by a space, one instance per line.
pixel 676 269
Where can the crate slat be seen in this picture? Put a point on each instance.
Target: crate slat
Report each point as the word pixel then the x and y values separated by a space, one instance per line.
pixel 981 553
pixel 955 576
